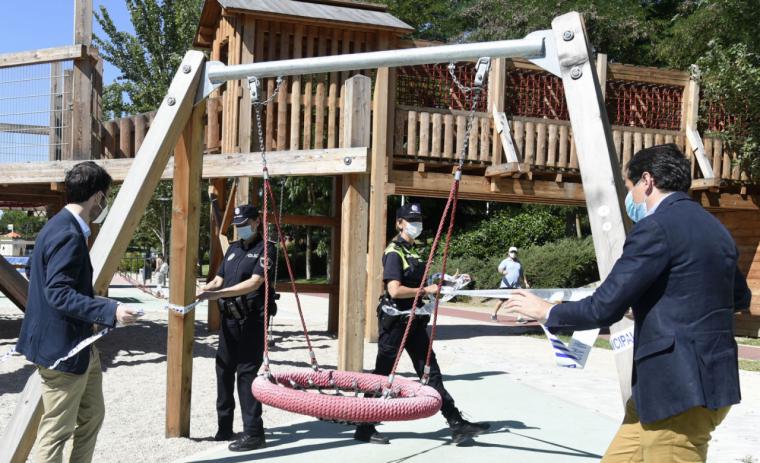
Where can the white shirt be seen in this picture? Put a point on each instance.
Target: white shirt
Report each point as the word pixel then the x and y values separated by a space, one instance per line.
pixel 82 224
pixel 654 208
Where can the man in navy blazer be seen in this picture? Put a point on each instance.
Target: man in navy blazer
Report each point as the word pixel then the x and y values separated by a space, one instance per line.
pixel 679 274
pixel 61 311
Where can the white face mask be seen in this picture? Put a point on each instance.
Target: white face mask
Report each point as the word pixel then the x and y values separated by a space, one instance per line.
pixel 103 211
pixel 413 229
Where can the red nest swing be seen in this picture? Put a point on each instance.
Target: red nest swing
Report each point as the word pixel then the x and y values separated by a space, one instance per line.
pixel 346 396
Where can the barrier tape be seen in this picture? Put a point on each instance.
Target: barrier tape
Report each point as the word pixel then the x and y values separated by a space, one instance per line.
pixel 182 310
pixel 572 355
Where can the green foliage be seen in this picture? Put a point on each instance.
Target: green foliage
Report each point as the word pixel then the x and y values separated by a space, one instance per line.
pixel 26 225
pixel 511 19
pixel 148 60
pixel 534 226
pixel 731 79
pixel 567 263
pixel 431 19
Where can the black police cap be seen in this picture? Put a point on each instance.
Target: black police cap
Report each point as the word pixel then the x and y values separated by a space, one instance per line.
pixel 409 212
pixel 243 213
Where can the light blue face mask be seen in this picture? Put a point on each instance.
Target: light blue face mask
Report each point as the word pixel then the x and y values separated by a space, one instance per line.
pixel 636 211
pixel 245 233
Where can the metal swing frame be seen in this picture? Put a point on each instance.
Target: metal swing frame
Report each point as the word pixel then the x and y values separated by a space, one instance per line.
pixel 562 50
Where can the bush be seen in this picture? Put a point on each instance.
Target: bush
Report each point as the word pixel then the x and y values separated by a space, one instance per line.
pixel 491 238
pixel 567 263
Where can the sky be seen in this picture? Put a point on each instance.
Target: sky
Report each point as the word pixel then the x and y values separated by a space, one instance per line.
pixel 31 24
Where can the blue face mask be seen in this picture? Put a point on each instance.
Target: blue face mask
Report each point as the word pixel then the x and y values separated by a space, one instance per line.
pixel 636 211
pixel 245 233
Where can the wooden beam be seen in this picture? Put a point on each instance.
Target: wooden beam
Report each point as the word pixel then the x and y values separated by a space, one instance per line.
pixel 44 55
pixel 504 169
pixel 13 285
pixel 145 171
pixel 497 81
pixel 184 255
pixel 19 435
pixel 217 195
pixel 597 159
pixel 378 204
pixel 476 187
pixel 601 72
pixel 297 163
pixel 353 255
pixel 83 22
pixel 501 128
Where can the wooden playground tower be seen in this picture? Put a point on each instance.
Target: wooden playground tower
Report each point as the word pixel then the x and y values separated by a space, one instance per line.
pixel 352 127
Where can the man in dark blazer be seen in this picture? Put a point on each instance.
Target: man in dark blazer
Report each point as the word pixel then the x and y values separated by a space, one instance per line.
pixel 60 313
pixel 679 274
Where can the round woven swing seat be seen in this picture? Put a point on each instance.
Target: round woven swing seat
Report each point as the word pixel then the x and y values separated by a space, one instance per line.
pixel 314 393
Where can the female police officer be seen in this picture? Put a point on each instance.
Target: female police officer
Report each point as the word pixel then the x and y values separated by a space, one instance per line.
pixel 403 270
pixel 239 288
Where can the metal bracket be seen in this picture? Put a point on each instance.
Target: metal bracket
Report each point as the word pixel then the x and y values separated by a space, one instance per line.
pixel 205 86
pixel 254 84
pixel 550 60
pixel 481 71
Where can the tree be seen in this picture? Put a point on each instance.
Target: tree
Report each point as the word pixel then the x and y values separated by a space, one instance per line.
pixel 148 60
pixel 512 19
pixel 26 224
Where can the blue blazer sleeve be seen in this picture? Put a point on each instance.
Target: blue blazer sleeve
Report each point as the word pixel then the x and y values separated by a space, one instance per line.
pixel 67 255
pixel 645 256
pixel 742 293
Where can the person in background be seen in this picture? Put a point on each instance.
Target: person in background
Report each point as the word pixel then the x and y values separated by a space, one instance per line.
pixel 679 274
pixel 511 271
pixel 60 313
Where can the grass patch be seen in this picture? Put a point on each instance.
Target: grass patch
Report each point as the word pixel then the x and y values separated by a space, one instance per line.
pixel 749 365
pixel 601 343
pixel 315 281
pixel 748 341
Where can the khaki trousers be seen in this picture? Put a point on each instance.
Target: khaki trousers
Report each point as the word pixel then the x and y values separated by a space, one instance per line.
pixel 680 438
pixel 73 407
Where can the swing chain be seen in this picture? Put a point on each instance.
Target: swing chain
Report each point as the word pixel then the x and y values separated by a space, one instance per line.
pixel 255 88
pixel 481 76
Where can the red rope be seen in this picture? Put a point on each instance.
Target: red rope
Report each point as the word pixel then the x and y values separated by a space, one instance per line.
pixel 451 200
pixel 269 195
pixel 444 260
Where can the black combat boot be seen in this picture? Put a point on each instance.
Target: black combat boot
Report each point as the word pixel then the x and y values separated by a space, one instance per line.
pixel 368 433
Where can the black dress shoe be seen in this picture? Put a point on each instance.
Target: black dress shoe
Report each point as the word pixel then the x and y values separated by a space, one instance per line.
pixel 248 442
pixel 462 430
pixel 223 434
pixel 368 433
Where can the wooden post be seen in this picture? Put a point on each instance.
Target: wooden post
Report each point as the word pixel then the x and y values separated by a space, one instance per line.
pixel 81 124
pixel 12 284
pixel 188 161
pixel 354 215
pixel 600 171
pixel 695 150
pixel 382 109
pixel 497 81
pixel 19 435
pixel 217 191
pixel 56 108
pixel 333 310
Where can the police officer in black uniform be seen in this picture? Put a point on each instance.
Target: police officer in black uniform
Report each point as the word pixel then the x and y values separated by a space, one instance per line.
pixel 239 286
pixel 403 269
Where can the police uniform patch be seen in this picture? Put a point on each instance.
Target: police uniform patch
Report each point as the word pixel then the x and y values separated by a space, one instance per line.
pixel 232 256
pixel 251 256
pixel 265 264
pixel 237 211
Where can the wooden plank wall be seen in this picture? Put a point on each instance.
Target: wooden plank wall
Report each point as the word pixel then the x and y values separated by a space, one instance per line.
pixel 745 228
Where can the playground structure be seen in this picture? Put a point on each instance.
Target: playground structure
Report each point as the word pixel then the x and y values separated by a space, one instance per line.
pixel 332 124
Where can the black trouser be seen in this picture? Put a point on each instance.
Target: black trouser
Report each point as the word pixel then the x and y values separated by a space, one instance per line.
pixel 241 347
pixel 391 330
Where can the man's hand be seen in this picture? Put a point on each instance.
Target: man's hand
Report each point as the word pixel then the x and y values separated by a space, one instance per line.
pixel 431 289
pixel 207 295
pixel 528 305
pixel 127 315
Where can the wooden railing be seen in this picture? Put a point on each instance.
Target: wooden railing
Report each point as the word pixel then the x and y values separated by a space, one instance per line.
pixel 438 135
